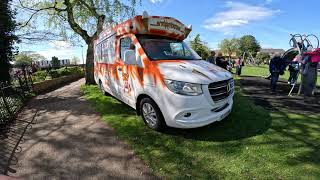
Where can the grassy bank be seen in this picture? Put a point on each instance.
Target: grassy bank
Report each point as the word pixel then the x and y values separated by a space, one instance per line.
pixel 251 143
pixel 263 71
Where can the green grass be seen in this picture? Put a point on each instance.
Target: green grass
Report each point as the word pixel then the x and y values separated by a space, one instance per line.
pixel 252 143
pixel 263 71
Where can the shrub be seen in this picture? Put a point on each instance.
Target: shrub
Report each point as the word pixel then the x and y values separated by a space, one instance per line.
pixel 54 74
pixel 66 72
pixel 39 76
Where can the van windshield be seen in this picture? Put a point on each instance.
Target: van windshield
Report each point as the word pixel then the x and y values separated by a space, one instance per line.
pixel 161 48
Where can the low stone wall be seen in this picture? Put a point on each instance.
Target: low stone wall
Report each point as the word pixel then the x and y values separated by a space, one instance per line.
pixel 48 85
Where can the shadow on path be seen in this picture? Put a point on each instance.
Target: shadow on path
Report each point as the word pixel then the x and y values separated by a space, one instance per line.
pixel 70 141
pixel 258 89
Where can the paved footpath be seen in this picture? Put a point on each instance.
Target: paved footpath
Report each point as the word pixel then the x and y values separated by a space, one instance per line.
pixel 70 141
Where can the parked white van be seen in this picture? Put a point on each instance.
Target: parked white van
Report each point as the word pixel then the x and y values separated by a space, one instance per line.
pixel 145 63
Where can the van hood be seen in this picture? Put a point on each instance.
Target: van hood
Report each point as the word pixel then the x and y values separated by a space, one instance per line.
pixel 193 71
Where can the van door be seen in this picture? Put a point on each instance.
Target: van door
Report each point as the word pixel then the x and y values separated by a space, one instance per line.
pixel 125 82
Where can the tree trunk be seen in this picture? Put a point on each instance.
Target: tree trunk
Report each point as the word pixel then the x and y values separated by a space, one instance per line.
pixel 90 64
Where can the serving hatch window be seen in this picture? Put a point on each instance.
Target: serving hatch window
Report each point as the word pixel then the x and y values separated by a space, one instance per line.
pixel 162 48
pixel 125 44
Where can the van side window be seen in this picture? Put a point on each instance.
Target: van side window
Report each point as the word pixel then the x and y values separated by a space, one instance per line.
pixel 125 44
pixel 97 56
pixel 108 50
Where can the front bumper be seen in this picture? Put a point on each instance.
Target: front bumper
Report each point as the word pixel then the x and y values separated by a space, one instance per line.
pixel 194 111
pixel 202 117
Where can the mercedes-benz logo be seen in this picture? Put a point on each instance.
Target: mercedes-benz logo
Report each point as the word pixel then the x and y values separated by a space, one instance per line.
pixel 228 87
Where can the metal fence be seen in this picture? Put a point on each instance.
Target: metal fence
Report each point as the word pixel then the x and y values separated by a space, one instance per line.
pixel 12 98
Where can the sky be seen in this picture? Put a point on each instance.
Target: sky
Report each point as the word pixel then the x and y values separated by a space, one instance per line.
pixel 270 21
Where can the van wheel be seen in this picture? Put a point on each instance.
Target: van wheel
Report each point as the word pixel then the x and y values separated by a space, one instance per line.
pixel 152 115
pixel 103 92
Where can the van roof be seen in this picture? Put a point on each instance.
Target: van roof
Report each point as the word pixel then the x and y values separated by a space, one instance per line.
pixel 151 25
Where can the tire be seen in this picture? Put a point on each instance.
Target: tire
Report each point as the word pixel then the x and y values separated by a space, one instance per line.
pixel 103 92
pixel 151 114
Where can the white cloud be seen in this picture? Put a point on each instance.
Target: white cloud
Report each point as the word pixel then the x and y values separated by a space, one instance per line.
pixel 237 15
pixel 61 54
pixel 62 50
pixel 156 1
pixel 61 44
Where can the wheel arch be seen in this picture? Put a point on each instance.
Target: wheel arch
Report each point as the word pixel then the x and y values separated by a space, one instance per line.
pixel 139 99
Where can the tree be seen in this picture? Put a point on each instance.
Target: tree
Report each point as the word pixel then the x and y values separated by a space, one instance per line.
pixel 74 60
pixel 262 57
pixel 229 46
pixel 26 58
pixel 86 18
pixel 23 59
pixel 198 46
pixel 7 39
pixel 249 44
pixel 55 62
pixel 37 57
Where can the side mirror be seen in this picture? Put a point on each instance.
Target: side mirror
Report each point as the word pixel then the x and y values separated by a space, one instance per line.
pixel 130 57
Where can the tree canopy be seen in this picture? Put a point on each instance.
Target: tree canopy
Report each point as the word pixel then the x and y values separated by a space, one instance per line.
pixel 230 46
pixel 26 58
pixel 200 47
pixel 7 39
pixel 23 59
pixel 262 57
pixel 77 18
pixel 249 44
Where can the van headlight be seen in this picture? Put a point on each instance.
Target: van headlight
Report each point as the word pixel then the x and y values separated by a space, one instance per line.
pixel 184 88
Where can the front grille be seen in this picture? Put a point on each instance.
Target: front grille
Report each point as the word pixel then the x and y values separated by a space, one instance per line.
pixel 221 90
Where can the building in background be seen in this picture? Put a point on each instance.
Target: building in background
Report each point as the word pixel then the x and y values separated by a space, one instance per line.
pixel 43 63
pixel 48 63
pixel 272 51
pixel 64 62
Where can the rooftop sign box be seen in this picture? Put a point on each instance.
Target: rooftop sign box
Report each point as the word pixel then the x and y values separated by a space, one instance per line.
pixel 167 25
pixel 153 25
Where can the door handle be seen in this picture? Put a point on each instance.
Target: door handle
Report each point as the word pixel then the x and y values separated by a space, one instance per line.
pixel 119 69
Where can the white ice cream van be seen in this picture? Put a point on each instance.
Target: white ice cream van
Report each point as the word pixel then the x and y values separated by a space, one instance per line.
pixel 145 63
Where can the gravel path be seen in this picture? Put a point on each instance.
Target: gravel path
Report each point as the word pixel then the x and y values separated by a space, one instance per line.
pixel 70 141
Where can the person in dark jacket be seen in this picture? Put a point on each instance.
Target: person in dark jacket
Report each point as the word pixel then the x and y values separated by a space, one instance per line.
pixel 276 68
pixel 221 62
pixel 212 58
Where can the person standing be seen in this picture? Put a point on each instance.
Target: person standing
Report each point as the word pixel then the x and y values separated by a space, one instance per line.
pixel 276 68
pixel 309 73
pixel 238 63
pixel 294 68
pixel 212 58
pixel 221 62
